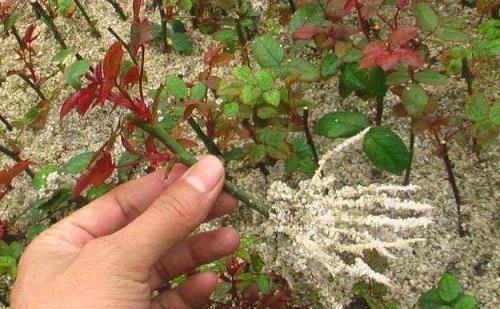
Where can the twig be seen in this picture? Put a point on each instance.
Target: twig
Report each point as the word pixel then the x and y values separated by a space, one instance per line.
pixel 468 76
pixel 50 23
pixel 93 28
pixel 187 158
pixel 412 154
pixel 163 22
pixel 118 9
pixel 7 124
pixel 209 143
pixel 33 86
pixel 380 111
pixel 242 38
pixel 443 152
pixel 14 156
pixel 309 137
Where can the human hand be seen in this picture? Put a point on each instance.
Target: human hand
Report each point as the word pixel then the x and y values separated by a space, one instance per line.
pixel 117 250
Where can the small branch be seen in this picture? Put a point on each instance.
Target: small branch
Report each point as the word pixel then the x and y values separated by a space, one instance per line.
pixel 39 11
pixel 242 38
pixel 163 21
pixel 125 44
pixel 468 76
pixel 118 9
pixel 14 156
pixel 34 87
pixel 443 151
pixel 412 154
pixel 187 158
pixel 93 28
pixel 209 143
pixel 380 111
pixel 7 124
pixel 309 136
pixel 292 6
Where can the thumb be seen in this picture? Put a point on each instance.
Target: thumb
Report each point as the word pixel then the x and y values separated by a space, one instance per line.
pixel 179 210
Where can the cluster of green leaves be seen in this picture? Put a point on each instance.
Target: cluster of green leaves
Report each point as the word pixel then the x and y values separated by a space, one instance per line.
pixel 485 118
pixel 448 294
pixel 9 256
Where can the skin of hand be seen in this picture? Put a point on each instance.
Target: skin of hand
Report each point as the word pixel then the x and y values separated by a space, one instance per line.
pixel 114 252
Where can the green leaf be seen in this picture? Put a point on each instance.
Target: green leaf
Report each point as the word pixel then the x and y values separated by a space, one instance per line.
pixel 386 150
pixel 226 35
pixel 250 94
pixel 377 82
pixel 279 151
pixel 449 287
pixel 96 192
pixel 40 179
pixel 302 160
pixel 234 154
pixel 330 66
pixel 398 77
pixel 477 109
pixel 341 124
pixel 264 80
pixel 198 92
pixel 11 21
pixel 182 43
pixel 267 51
pixel 430 77
pixel 78 163
pixel 255 152
pixel 177 87
pixel 301 70
pixel 244 74
pixel 231 109
pixel 495 114
pixel 272 97
pixel 310 14
pixel 426 17
pixel 271 135
pixel 466 302
pixel 352 79
pixel 62 56
pixel 264 283
pixel 75 71
pixel 266 112
pixel 450 34
pixel 186 5
pixel 415 99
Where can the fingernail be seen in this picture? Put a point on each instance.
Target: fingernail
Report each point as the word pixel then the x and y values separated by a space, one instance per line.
pixel 205 174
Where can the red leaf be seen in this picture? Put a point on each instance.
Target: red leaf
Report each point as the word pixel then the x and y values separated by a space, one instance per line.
pixel 403 35
pixel 153 155
pixel 7 175
pixel 306 32
pixel 213 52
pixel 113 61
pixel 29 35
pixel 130 78
pixel 410 57
pixel 97 175
pixel 140 34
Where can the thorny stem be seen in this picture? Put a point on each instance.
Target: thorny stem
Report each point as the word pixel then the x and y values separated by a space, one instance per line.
pixel 380 111
pixel 118 9
pixel 93 28
pixel 207 141
pixel 468 76
pixel 242 37
pixel 7 124
pixel 412 154
pixel 125 44
pixel 34 87
pixel 444 154
pixel 187 158
pixel 262 167
pixel 14 156
pixel 163 19
pixel 309 137
pixel 48 20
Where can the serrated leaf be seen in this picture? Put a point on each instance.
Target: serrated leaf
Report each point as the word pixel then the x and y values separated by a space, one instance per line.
pixel 426 17
pixel 449 287
pixel 386 150
pixel 250 94
pixel 182 43
pixel 430 77
pixel 266 112
pixel 198 92
pixel 466 302
pixel 477 109
pixel 415 99
pixel 74 73
pixel 78 163
pixel 341 124
pixel 330 66
pixel 177 87
pixel 267 51
pixel 310 14
pixel 40 179
pixel 301 70
pixel 272 97
pixel 264 80
pixel 231 109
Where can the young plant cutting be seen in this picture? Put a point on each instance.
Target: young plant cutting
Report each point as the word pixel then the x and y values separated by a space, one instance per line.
pixel 360 137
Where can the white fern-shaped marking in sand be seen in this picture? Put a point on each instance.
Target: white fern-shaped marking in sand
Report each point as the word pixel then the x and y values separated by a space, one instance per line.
pixel 325 220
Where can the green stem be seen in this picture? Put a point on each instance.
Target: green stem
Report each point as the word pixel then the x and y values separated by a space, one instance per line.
pixel 187 158
pixel 209 143
pixel 380 111
pixel 163 21
pixel 50 23
pixel 11 154
pixel 118 9
pixel 93 28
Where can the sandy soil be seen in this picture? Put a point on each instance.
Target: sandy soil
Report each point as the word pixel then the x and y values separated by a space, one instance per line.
pixel 474 259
